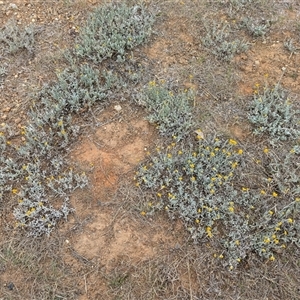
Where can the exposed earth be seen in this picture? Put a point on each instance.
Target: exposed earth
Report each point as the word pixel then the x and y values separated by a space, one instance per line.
pixel 107 240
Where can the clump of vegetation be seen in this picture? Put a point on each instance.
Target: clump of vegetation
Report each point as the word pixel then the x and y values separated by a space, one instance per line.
pixel 112 29
pixel 272 112
pixel 34 171
pixel 13 38
pixel 202 185
pixel 256 28
pixel 172 113
pixel 219 39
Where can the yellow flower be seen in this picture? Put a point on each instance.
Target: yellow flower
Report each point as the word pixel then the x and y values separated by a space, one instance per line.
pixel 267 240
pixel 158 195
pixel 60 123
pixel 231 209
pixel 20 201
pixel 24 167
pixel 234 165
pixel 269 179
pixel 272 258
pixel 271 212
pixel 240 151
pixel 199 210
pixel 180 178
pixel 180 152
pixel 237 242
pixel 231 268
pixel 244 189
pixel 221 256
pixel 212 191
pixel 63 132
pixel 14 191
pixel 197 221
pixel 266 150
pixel 169 155
pixel 208 229
pixel 8 142
pixel 238 260
pixel 283 246
pixel 263 192
pixel 232 142
pixel 274 194
pixel 297 199
pixel 144 167
pixel 193 178
pixel 290 220
pixel 212 154
pixel 263 250
pixel 143 213
pixel 192 166
pixel 209 234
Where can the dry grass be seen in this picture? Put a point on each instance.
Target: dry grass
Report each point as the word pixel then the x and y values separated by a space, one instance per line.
pixel 50 268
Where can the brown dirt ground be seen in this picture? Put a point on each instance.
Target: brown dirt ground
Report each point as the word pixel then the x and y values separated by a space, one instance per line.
pixel 102 234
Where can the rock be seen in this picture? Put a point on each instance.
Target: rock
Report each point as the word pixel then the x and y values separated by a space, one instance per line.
pixel 4 117
pixel 6 109
pixel 117 108
pixel 257 63
pixel 18 120
pixel 12 6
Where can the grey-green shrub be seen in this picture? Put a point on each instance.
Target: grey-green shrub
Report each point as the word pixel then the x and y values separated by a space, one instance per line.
pixel 272 113
pixel 112 29
pixel 171 112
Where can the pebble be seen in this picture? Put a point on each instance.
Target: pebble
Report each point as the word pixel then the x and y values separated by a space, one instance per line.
pixel 257 62
pixel 117 108
pixel 6 109
pixel 12 6
pixel 18 120
pixel 4 117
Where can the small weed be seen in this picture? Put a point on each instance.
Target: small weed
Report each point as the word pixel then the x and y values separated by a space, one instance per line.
pixel 256 28
pixel 13 38
pixel 220 41
pixel 290 46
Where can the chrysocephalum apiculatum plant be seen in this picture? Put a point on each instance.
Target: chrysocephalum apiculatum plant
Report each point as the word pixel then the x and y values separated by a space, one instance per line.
pixel 113 29
pixel 204 183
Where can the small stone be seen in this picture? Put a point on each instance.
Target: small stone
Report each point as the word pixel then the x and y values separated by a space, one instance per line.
pixel 283 69
pixel 1 2
pixel 4 117
pixel 67 242
pixel 18 121
pixel 6 109
pixel 117 108
pixel 12 6
pixel 257 63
